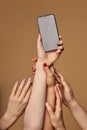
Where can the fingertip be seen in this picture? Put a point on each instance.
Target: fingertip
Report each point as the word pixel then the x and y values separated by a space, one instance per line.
pixel 17 82
pixel 29 79
pixel 60 36
pixel 56 85
pixel 33 68
pixel 34 59
pixel 48 107
pixel 23 80
pixel 58 51
pixel 46 104
pixel 60 43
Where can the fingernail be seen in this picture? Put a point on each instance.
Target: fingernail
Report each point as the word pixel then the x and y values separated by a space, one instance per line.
pixel 45 64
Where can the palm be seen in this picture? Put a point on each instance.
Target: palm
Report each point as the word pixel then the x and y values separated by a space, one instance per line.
pixel 49 57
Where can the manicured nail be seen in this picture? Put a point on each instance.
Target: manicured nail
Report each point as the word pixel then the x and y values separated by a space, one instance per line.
pixel 45 64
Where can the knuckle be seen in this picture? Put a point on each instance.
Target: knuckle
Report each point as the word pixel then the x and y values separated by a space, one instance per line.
pixel 25 102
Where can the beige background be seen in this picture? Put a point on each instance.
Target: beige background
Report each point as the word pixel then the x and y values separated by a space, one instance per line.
pixel 18 34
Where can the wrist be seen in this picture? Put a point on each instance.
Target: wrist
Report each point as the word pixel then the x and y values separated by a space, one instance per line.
pixel 60 129
pixel 39 65
pixel 60 126
pixel 39 62
pixel 6 121
pixel 72 104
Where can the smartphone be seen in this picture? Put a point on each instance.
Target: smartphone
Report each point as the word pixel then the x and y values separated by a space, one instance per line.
pixel 49 32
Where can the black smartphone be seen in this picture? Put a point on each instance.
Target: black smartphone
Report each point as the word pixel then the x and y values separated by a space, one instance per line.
pixel 49 32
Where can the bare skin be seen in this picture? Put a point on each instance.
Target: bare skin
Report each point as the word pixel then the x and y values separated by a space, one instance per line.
pixel 17 102
pixel 34 114
pixel 70 101
pixel 53 114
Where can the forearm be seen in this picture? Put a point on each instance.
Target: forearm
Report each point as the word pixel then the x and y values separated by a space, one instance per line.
pixel 6 121
pixel 79 114
pixel 35 110
pixel 51 101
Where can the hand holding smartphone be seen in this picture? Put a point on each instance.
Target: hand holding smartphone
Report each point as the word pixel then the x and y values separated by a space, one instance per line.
pixel 49 32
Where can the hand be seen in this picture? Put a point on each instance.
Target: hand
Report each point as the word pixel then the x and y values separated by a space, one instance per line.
pixel 17 102
pixel 49 57
pixel 19 98
pixel 65 88
pixel 56 117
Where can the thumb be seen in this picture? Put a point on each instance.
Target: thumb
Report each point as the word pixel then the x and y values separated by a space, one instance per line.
pixel 39 42
pixel 40 49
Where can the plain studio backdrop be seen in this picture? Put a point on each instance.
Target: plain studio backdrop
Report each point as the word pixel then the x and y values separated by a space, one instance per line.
pixel 18 35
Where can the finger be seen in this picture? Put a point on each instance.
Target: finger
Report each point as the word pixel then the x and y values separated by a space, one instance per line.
pixel 14 89
pixel 33 72
pixel 64 83
pixel 50 111
pixel 34 68
pixel 34 59
pixel 47 70
pixel 39 44
pixel 60 75
pixel 60 37
pixel 60 93
pixel 58 100
pixel 20 88
pixel 57 78
pixel 57 73
pixel 28 94
pixel 60 43
pixel 40 48
pixel 25 89
pixel 56 92
pixel 60 48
